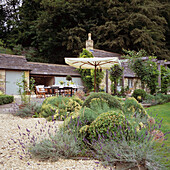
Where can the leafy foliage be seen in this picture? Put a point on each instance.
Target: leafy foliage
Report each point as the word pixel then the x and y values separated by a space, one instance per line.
pixel 146 70
pixel 5 99
pixel 139 94
pixel 61 145
pixel 108 124
pixel 115 74
pixel 134 108
pixel 165 79
pixel 86 115
pixel 59 107
pixel 29 110
pixel 131 154
pixel 87 75
pixel 68 78
pixel 157 99
pixel 111 100
pixel 50 30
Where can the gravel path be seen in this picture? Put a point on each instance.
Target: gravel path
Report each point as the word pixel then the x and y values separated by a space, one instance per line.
pixel 11 151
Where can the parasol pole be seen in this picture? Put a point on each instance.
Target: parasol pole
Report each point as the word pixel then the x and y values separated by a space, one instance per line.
pixel 95 77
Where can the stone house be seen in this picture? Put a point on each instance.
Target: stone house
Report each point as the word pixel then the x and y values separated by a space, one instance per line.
pixel 129 78
pixel 12 67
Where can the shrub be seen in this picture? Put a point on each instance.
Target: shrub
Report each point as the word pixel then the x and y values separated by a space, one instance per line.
pixel 161 98
pixel 5 99
pixel 87 115
pixel 59 107
pixel 108 124
pixel 30 110
pixel 60 145
pixel 139 94
pixel 78 119
pixel 130 155
pixel 112 101
pixel 134 108
pixel 158 99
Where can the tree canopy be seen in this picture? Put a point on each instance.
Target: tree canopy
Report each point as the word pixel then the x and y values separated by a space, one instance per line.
pixel 54 29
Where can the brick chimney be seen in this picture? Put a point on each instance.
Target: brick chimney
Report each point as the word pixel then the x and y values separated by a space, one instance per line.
pixel 89 43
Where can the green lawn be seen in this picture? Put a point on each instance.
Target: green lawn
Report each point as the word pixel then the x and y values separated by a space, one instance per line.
pixel 163 111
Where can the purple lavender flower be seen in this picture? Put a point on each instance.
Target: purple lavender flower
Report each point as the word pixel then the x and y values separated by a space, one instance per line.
pixel 18 127
pixel 28 130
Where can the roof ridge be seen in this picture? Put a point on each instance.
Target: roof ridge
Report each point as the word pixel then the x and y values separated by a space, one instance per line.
pixel 48 64
pixel 12 55
pixel 106 51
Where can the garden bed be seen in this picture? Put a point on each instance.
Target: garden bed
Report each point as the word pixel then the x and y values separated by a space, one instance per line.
pixel 9 159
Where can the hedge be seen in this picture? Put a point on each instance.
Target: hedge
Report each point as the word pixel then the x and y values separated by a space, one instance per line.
pixel 5 99
pixel 112 101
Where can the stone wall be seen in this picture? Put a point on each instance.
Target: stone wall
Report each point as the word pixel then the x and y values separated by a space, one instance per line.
pixel 27 77
pixel 2 80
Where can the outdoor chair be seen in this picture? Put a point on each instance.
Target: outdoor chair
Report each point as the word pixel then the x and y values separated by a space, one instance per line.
pixel 40 91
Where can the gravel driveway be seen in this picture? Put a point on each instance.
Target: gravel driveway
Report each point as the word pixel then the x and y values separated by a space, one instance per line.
pixel 11 152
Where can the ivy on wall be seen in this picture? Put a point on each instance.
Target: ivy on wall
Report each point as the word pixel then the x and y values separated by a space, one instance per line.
pixel 146 70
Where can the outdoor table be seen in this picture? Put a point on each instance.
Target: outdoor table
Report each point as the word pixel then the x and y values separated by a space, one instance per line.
pixel 63 90
pixel 53 87
pixel 47 88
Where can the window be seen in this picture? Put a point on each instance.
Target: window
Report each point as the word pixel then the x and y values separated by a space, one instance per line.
pixel 130 83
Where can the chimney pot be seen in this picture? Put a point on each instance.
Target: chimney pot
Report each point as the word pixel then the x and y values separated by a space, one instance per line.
pixel 89 43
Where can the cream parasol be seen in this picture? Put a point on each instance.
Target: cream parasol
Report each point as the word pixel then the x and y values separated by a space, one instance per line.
pixel 92 63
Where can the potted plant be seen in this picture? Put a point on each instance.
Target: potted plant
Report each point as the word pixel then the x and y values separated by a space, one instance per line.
pixel 61 83
pixel 72 83
pixel 68 78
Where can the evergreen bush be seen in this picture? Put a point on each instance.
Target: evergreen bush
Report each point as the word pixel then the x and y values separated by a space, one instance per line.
pixel 86 115
pixel 59 107
pixel 112 101
pixel 5 99
pixel 139 95
pixel 158 99
pixel 131 106
pixel 109 124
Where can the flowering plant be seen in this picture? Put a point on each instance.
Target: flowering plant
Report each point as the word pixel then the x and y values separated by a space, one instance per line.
pixel 61 82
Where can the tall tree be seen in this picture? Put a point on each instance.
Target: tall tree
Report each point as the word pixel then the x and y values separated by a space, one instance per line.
pixel 58 28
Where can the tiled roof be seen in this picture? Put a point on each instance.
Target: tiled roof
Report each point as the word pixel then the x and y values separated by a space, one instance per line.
pixel 52 69
pixel 102 53
pixel 13 62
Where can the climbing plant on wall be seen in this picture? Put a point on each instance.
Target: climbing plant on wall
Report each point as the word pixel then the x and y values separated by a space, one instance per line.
pixel 146 70
pixel 115 74
pixel 87 75
pixel 165 79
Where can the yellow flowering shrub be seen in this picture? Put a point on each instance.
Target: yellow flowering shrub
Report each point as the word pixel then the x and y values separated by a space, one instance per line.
pixel 132 106
pixel 60 107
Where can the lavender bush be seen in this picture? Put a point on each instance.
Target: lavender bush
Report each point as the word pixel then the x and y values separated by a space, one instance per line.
pixel 29 110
